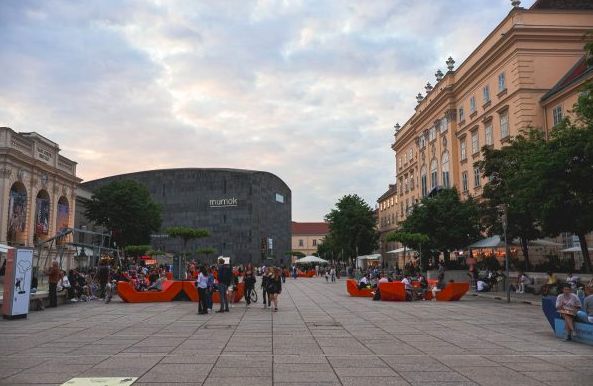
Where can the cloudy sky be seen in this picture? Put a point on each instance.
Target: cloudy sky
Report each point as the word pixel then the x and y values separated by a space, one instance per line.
pixel 308 90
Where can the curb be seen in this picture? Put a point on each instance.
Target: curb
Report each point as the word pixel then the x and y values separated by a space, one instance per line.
pixel 530 302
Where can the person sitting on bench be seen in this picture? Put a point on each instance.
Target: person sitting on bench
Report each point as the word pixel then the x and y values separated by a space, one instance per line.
pixel 364 282
pixel 586 314
pixel 567 305
pixel 482 286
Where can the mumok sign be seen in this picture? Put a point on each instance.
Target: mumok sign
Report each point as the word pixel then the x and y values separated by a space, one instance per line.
pixel 224 202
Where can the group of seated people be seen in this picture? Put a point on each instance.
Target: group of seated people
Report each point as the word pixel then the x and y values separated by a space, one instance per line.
pixel 570 307
pixel 415 286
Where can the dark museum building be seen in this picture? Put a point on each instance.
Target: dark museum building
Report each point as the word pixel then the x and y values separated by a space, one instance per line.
pixel 248 213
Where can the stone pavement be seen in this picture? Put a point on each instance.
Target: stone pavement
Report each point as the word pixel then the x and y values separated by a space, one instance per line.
pixel 319 336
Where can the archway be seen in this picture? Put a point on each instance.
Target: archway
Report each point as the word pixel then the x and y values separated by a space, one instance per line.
pixel 63 215
pixel 17 215
pixel 42 210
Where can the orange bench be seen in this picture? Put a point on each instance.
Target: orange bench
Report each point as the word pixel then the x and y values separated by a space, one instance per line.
pixel 128 293
pixel 394 291
pixel 190 289
pixel 453 291
pixel 352 288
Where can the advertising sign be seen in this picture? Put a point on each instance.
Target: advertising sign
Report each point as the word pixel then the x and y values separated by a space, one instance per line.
pixel 17 283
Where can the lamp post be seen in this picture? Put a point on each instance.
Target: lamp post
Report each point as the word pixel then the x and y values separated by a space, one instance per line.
pixel 506 253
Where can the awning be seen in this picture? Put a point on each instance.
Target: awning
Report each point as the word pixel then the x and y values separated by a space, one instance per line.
pixel 490 242
pixel 401 250
pixel 574 249
pixel 311 260
pixel 369 257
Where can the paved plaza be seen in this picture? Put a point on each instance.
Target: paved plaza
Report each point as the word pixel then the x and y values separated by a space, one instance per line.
pixel 319 336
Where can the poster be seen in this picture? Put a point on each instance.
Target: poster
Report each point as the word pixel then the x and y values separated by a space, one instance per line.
pixel 42 221
pixel 17 282
pixel 63 211
pixel 17 211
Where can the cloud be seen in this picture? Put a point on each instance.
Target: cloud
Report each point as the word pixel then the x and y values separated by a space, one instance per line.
pixel 307 90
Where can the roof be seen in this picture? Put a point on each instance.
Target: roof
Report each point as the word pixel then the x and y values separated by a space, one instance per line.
pixel 577 73
pixel 562 4
pixel 390 192
pixel 310 228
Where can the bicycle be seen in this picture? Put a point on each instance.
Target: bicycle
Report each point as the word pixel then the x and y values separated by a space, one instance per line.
pixel 251 293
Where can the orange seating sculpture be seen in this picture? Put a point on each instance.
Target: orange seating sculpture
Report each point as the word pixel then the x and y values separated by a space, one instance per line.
pixel 170 290
pixel 452 292
pixel 394 291
pixel 128 293
pixel 352 288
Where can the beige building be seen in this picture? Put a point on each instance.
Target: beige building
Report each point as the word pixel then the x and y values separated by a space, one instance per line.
pixel 387 220
pixel 37 189
pixel 493 95
pixel 307 236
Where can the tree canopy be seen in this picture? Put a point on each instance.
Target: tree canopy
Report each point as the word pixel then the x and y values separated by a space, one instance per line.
pixel 352 228
pixel 186 234
pixel 125 208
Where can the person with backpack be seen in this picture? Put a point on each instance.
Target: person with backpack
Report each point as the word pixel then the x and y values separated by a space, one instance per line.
pixel 224 281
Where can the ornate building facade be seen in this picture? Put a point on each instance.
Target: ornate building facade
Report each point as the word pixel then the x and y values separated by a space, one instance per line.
pixel 492 96
pixel 37 188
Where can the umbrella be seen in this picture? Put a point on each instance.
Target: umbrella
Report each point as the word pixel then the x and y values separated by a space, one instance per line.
pixel 574 249
pixel 401 250
pixel 311 260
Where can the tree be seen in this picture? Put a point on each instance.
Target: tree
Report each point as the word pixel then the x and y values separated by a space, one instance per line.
pixel 352 227
pixel 411 240
pixel 186 234
pixel 206 251
pixel 125 208
pixel 137 250
pixel 448 222
pixel 510 185
pixel 298 254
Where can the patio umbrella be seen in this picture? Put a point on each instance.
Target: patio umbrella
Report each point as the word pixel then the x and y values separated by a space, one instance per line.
pixel 311 260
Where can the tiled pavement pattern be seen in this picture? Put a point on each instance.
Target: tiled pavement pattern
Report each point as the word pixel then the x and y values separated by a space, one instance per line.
pixel 319 336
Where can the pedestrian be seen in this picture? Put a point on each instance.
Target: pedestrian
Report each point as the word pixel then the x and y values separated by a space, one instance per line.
pixel 202 284
pixel 326 274
pixel 103 276
pixel 275 287
pixel 332 273
pixel 210 288
pixel 265 279
pixel 224 281
pixel 249 280
pixel 54 276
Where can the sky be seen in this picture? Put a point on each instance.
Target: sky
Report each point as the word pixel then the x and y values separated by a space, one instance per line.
pixel 307 90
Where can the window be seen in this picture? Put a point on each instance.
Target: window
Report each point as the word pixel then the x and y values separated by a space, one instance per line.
pixel 486 94
pixel 432 134
pixel 411 182
pixel 301 243
pixel 464 181
pixel 477 177
pixel 475 142
pixel 504 124
pixel 421 141
pixel 501 82
pixel 557 113
pixel 279 198
pixel 462 149
pixel 488 130
pixel 472 104
pixel 461 115
pixel 433 174
pixel 314 242
pixel 410 154
pixel 444 124
pixel 423 181
pixel 445 168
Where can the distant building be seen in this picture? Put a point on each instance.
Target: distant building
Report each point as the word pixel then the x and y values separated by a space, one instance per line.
pixel 307 236
pixel 387 221
pixel 37 189
pixel 248 213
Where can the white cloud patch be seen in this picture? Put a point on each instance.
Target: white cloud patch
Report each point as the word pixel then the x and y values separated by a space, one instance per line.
pixel 307 90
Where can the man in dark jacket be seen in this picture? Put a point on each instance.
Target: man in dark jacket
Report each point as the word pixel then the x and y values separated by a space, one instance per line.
pixel 224 281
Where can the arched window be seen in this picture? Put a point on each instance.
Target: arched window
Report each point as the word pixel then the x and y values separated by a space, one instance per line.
pixel 42 215
pixel 423 181
pixel 17 214
pixel 445 169
pixel 63 216
pixel 433 174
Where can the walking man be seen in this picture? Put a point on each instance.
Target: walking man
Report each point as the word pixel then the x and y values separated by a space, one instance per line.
pixel 224 281
pixel 54 275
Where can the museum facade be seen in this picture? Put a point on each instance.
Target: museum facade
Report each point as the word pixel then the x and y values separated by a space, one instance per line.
pixel 248 213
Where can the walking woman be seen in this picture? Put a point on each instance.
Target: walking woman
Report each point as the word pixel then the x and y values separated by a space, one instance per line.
pixel 265 279
pixel 202 284
pixel 275 287
pixel 249 280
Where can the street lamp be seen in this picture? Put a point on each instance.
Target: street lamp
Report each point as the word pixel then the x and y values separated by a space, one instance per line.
pixel 504 219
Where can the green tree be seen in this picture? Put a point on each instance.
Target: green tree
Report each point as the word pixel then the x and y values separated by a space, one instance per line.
pixel 125 208
pixel 412 240
pixel 448 222
pixel 137 250
pixel 298 254
pixel 206 251
pixel 186 234
pixel 352 227
pixel 509 185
